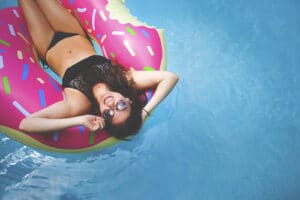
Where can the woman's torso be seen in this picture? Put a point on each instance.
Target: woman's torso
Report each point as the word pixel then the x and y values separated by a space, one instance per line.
pixel 68 52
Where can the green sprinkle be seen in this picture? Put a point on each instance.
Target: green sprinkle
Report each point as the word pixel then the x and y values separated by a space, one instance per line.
pixel 86 22
pixel 130 31
pixel 92 137
pixel 112 55
pixel 6 85
pixel 148 68
pixel 4 43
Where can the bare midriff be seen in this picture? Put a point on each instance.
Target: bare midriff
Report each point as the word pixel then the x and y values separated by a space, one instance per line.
pixel 67 52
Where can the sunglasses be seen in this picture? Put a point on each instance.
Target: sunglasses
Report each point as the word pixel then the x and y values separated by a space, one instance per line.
pixel 108 114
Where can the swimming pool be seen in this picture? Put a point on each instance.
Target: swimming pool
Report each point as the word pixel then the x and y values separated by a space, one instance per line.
pixel 229 130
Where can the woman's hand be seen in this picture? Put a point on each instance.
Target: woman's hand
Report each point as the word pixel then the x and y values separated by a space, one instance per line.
pixel 92 122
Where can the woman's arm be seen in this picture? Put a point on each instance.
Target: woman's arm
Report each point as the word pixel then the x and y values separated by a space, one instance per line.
pixel 44 125
pixel 164 82
pixel 61 115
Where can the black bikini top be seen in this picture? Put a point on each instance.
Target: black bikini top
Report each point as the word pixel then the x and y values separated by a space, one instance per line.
pixel 86 73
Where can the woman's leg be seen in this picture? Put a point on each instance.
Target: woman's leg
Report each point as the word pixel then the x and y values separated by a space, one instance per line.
pixel 59 18
pixel 39 29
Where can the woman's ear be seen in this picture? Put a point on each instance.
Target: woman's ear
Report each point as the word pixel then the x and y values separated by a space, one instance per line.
pixel 128 100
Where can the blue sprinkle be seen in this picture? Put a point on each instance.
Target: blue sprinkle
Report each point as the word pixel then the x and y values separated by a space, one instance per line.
pixel 81 129
pixel 42 98
pixel 145 33
pixel 2 51
pixel 53 83
pixel 25 72
pixel 98 36
pixel 71 1
pixel 55 136
pixel 23 29
pixel 149 94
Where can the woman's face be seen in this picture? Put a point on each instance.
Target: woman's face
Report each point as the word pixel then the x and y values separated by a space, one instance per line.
pixel 114 106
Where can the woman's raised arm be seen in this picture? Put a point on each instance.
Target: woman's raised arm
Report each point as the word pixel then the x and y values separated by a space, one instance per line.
pixel 163 81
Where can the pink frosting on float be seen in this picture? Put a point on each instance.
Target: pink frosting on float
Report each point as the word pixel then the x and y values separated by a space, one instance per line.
pixel 26 88
pixel 138 47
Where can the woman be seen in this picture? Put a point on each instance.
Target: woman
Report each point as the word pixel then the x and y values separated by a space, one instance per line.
pixel 98 94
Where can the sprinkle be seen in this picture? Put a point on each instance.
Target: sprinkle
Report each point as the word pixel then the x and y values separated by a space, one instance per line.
pixel 130 31
pixel 128 47
pixel 23 29
pixel 149 94
pixel 103 38
pixel 53 83
pixel 22 36
pixel 93 19
pixel 92 137
pixel 148 68
pixel 112 55
pixel 25 72
pixel 4 43
pixel 1 62
pixel 31 59
pixel 21 108
pixel 81 10
pixel 145 33
pixel 118 33
pixel 6 85
pixel 11 30
pixel 42 98
pixel 150 50
pixel 16 13
pixel 40 80
pixel 2 51
pixel 81 129
pixel 86 22
pixel 55 136
pixel 104 51
pixel 102 15
pixel 20 54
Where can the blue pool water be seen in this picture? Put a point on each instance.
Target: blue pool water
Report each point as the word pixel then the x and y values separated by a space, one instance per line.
pixel 229 130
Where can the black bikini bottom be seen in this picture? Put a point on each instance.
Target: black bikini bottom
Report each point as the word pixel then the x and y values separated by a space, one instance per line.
pixel 58 36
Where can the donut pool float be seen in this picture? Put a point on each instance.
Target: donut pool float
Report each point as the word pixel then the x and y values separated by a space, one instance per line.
pixel 26 87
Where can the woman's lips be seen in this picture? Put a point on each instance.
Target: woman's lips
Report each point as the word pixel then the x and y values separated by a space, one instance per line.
pixel 107 99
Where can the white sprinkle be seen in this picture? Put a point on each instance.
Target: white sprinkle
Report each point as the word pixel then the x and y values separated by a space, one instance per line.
pixel 11 30
pixel 81 10
pixel 1 62
pixel 150 50
pixel 128 47
pixel 16 13
pixel 41 80
pixel 104 52
pixel 103 38
pixel 20 54
pixel 22 36
pixel 118 33
pixel 104 18
pixel 21 108
pixel 31 59
pixel 93 19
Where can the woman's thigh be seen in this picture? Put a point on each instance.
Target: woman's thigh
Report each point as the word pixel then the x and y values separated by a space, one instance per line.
pixel 59 18
pixel 38 27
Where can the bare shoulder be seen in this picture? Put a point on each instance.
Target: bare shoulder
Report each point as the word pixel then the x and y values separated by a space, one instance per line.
pixel 76 102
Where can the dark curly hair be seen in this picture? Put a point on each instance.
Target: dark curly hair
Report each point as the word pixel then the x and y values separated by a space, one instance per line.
pixel 116 81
